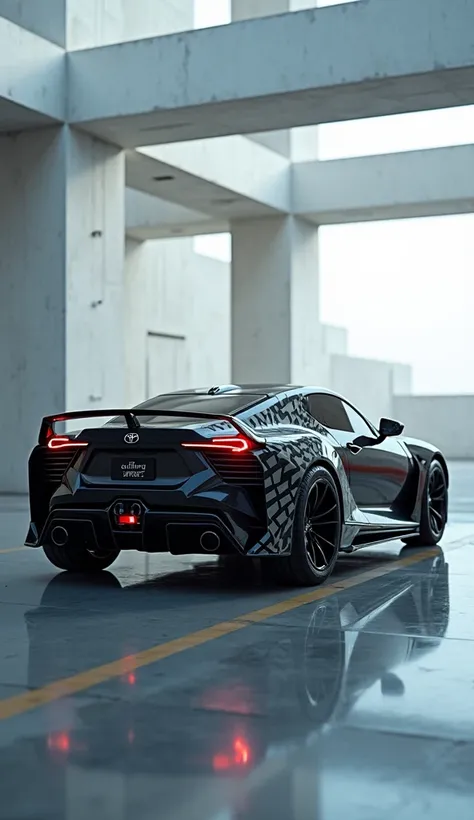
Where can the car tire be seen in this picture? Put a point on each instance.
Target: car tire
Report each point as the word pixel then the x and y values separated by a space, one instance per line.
pixel 434 508
pixel 317 528
pixel 79 559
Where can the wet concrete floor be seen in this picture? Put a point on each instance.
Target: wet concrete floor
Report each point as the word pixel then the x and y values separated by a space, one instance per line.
pixel 352 700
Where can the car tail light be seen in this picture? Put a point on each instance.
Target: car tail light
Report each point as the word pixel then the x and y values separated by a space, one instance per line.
pixel 63 442
pixel 128 519
pixel 234 444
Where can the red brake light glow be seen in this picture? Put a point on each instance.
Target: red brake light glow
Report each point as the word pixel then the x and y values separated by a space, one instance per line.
pixel 62 443
pixel 128 519
pixel 59 742
pixel 236 444
pixel 239 756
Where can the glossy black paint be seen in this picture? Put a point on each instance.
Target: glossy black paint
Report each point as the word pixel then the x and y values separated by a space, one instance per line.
pixel 249 504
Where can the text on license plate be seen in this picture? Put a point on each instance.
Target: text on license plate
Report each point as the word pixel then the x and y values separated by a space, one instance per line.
pixel 133 469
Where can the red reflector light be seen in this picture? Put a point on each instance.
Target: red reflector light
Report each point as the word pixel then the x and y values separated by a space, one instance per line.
pixel 62 442
pixel 59 742
pixel 236 444
pixel 128 519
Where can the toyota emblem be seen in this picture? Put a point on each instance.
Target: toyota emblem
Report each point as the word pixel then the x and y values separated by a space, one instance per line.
pixel 131 438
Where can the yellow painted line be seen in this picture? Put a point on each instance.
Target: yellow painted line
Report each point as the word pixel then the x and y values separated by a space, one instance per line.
pixel 12 549
pixel 18 704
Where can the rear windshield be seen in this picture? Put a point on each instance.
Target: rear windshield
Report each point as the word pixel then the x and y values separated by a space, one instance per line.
pixel 228 404
pixel 224 404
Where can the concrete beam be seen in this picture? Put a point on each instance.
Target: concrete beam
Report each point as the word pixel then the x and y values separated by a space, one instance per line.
pixel 227 178
pixel 356 60
pixel 148 217
pixel 32 79
pixel 390 186
pixel 433 182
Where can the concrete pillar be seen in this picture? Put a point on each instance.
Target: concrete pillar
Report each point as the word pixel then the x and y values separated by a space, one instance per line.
pixel 61 261
pixel 276 332
pixel 92 23
pixel 251 9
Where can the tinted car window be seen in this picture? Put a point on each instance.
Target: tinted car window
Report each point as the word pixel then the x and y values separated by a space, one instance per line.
pixel 188 402
pixel 359 424
pixel 329 411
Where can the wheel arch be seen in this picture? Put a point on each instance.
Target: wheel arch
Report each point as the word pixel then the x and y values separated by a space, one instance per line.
pixel 424 454
pixel 329 466
pixel 437 456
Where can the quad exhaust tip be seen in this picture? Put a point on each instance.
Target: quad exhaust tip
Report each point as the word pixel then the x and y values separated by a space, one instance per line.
pixel 210 541
pixel 59 536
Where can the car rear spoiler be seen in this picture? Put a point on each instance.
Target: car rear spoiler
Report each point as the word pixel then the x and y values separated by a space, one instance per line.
pixel 47 428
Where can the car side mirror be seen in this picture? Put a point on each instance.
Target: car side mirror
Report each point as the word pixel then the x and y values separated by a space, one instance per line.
pixel 390 427
pixel 391 685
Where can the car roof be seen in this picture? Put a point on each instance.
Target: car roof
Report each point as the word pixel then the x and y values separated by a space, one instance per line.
pixel 263 390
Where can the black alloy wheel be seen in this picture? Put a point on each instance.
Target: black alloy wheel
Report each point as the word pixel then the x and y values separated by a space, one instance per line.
pixel 322 667
pixel 317 529
pixel 434 508
pixel 437 500
pixel 322 524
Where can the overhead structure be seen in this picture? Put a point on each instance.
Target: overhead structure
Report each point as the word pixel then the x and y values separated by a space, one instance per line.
pixel 345 62
pixel 357 189
pixel 105 128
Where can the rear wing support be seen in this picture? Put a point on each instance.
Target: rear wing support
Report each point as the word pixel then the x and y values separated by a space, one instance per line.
pixel 47 429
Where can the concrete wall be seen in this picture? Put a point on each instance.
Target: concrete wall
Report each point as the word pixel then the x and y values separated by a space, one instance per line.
pixel 446 421
pixel 179 303
pixel 44 17
pixel 402 379
pixel 365 382
pixel 334 340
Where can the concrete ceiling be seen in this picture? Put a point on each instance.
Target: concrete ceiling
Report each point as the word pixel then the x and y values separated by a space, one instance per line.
pixel 344 62
pixel 207 184
pixel 171 183
pixel 148 217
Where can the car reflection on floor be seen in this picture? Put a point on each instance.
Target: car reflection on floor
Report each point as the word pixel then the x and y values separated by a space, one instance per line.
pixel 269 689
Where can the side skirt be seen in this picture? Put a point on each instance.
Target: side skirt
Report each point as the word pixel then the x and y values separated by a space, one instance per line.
pixel 367 538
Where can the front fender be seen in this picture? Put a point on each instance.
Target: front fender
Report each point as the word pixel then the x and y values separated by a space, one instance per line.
pixel 424 454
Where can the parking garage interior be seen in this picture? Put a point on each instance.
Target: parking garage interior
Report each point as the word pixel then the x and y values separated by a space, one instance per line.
pixel 190 687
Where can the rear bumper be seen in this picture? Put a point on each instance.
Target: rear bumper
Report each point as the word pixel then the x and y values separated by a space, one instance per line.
pixel 177 530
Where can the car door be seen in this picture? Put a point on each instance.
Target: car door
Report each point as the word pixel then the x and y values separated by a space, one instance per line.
pixel 376 474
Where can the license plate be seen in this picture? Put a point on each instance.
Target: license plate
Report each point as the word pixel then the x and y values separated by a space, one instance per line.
pixel 133 469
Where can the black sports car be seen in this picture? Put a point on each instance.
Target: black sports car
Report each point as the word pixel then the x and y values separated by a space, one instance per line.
pixel 293 474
